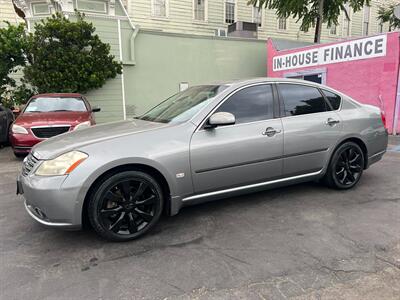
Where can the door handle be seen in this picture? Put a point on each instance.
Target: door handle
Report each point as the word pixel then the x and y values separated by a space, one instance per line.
pixel 270 132
pixel 331 122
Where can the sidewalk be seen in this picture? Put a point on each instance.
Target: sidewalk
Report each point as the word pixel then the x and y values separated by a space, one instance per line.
pixel 394 139
pixel 394 143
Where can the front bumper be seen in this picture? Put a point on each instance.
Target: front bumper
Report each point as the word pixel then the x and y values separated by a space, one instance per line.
pixel 47 202
pixel 23 143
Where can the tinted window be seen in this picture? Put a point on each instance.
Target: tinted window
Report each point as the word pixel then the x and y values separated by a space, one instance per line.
pixel 55 104
pixel 333 99
pixel 300 99
pixel 250 104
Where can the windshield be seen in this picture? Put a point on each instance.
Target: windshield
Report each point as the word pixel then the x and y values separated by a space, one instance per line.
pixel 184 105
pixel 54 104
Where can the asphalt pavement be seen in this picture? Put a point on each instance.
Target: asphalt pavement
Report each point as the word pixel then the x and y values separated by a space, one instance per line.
pixel 302 242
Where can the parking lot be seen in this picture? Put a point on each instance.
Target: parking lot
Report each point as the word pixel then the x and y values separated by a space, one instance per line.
pixel 304 241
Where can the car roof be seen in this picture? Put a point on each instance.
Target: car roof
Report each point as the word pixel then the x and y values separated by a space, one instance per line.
pixel 58 95
pixel 264 79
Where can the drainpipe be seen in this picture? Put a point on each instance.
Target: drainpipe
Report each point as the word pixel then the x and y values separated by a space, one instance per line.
pixel 135 28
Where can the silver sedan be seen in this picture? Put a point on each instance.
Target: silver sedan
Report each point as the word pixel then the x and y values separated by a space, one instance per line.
pixel 204 143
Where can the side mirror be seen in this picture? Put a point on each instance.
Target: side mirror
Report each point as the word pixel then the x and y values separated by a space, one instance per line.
pixel 96 109
pixel 221 119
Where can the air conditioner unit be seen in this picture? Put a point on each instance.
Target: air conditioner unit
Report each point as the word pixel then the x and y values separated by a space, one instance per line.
pixel 220 32
pixel 243 29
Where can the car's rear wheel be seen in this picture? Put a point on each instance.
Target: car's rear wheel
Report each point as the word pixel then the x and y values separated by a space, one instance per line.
pixel 346 166
pixel 125 206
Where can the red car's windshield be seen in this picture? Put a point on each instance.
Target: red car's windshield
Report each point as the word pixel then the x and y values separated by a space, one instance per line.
pixel 54 104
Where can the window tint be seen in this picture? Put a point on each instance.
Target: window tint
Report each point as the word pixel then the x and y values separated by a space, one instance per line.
pixel 333 99
pixel 300 99
pixel 250 104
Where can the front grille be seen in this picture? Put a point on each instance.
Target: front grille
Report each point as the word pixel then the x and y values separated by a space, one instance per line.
pixel 48 132
pixel 29 163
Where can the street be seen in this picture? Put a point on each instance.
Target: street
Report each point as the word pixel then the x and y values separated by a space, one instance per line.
pixel 303 242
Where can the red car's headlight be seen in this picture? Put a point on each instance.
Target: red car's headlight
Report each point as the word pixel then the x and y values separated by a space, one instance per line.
pixel 18 129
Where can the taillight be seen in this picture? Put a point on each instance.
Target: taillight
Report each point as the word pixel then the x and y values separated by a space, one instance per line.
pixel 383 117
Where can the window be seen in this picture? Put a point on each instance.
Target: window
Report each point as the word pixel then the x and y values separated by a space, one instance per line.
pixel 346 30
pixel 332 30
pixel 55 104
pixel 40 8
pixel 301 100
pixel 159 8
pixel 184 105
pixel 92 6
pixel 230 11
pixel 366 15
pixel 257 16
pixel 282 24
pixel 250 104
pixel 333 99
pixel 199 10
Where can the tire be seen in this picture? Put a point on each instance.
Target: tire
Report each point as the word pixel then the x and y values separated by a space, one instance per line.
pixel 346 167
pixel 7 141
pixel 125 206
pixel 19 155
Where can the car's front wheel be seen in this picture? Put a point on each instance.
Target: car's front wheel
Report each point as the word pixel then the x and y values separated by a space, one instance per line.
pixel 125 206
pixel 346 166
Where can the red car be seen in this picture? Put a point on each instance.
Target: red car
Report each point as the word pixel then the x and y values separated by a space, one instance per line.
pixel 47 115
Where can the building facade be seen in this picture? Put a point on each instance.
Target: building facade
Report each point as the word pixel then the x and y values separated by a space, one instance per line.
pixel 156 64
pixel 367 69
pixel 211 17
pixel 179 44
pixel 7 13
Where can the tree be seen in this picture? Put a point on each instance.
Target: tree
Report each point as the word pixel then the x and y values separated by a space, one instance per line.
pixel 386 14
pixel 12 47
pixel 311 12
pixel 66 56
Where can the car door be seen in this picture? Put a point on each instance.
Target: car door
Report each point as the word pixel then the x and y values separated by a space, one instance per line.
pixel 311 128
pixel 3 124
pixel 246 152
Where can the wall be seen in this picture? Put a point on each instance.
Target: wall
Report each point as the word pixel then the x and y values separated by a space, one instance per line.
pixel 164 60
pixel 7 13
pixel 109 97
pixel 180 20
pixel 364 80
pixel 154 63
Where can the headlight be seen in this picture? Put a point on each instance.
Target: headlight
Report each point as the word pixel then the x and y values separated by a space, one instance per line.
pixel 61 165
pixel 82 125
pixel 18 129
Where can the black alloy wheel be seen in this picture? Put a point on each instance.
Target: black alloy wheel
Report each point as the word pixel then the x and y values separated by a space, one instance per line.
pixel 346 166
pixel 126 206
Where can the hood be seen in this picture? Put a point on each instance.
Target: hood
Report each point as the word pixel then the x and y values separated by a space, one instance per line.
pixel 76 139
pixel 52 118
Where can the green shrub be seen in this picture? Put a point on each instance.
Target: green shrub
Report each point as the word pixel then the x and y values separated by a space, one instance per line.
pixel 66 56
